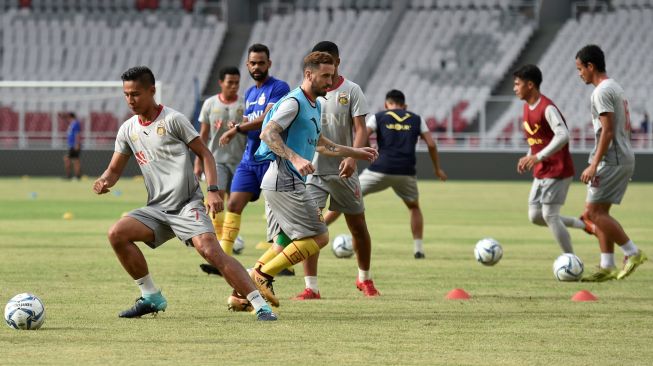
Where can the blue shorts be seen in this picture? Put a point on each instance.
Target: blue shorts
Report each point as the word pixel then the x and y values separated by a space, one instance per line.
pixel 248 178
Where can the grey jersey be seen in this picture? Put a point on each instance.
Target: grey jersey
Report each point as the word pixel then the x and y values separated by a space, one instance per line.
pixel 217 115
pixel 279 176
pixel 608 96
pixel 161 151
pixel 339 107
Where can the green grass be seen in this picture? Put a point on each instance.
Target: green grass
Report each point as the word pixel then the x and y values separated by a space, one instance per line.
pixel 518 314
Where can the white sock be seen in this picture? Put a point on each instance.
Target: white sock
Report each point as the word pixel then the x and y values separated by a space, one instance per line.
pixel 363 275
pixel 256 300
pixel 146 284
pixel 418 246
pixel 629 248
pixel 607 260
pixel 311 282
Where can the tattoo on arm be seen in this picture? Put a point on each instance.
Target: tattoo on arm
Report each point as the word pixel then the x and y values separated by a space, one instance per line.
pixel 272 137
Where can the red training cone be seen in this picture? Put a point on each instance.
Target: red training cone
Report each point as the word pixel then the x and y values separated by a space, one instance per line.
pixel 458 294
pixel 584 295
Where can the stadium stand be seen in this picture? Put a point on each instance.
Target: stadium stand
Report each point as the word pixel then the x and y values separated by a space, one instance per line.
pixel 628 46
pixel 448 71
pixel 68 40
pixel 314 21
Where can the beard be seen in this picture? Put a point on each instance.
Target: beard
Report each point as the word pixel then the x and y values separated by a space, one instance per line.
pixel 260 77
pixel 318 92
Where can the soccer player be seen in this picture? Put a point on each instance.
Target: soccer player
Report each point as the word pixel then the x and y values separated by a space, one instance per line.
pixel 343 110
pixel 548 156
pixel 216 114
pixel 611 165
pixel 291 134
pixel 159 138
pixel 246 185
pixel 397 131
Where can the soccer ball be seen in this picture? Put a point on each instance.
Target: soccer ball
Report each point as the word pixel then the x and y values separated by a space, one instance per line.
pixel 25 311
pixel 568 267
pixel 342 246
pixel 488 251
pixel 239 245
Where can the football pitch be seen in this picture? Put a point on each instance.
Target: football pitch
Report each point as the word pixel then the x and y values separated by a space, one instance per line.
pixel 518 314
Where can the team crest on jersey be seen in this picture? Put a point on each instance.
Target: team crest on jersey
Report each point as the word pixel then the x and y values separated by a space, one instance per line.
pixel 160 129
pixel 343 98
pixel 239 112
pixel 133 137
pixel 261 99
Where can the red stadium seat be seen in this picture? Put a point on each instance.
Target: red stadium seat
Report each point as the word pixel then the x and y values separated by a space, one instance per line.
pixel 8 128
pixel 104 126
pixel 38 128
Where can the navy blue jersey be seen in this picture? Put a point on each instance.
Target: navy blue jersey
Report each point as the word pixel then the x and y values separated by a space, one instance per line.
pixel 397 131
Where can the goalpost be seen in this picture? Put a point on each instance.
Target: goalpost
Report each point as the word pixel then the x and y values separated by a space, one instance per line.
pixel 32 112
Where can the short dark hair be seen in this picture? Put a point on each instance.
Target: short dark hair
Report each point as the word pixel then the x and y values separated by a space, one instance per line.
pixel 257 47
pixel 592 54
pixel 328 47
pixel 72 115
pixel 396 96
pixel 531 73
pixel 314 59
pixel 141 74
pixel 228 70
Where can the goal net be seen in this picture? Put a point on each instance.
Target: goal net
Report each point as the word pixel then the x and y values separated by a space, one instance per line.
pixel 34 114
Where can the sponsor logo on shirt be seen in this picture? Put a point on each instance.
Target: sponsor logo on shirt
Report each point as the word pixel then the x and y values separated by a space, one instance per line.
pixel 397 127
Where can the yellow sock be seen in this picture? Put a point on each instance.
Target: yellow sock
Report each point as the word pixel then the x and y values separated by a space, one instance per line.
pixel 294 253
pixel 267 256
pixel 218 221
pixel 230 230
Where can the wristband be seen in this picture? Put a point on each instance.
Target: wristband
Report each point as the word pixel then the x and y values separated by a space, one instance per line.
pixel 212 188
pixel 238 129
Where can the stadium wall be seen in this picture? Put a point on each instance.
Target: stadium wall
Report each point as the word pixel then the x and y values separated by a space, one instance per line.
pixel 473 165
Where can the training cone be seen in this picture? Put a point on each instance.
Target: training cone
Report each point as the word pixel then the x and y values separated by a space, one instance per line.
pixel 584 295
pixel 68 216
pixel 458 294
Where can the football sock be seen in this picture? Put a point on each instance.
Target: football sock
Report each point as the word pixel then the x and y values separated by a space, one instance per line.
pixel 218 221
pixel 630 249
pixel 147 286
pixel 267 256
pixel 311 282
pixel 418 247
pixel 363 275
pixel 607 260
pixel 551 215
pixel 256 299
pixel 230 229
pixel 294 253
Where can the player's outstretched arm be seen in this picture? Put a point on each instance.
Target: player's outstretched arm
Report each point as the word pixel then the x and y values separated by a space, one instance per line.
pixel 330 148
pixel 204 135
pixel 110 176
pixel 433 153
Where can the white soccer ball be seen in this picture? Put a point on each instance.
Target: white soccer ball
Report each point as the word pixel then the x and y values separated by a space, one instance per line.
pixel 488 251
pixel 568 267
pixel 25 311
pixel 342 246
pixel 239 245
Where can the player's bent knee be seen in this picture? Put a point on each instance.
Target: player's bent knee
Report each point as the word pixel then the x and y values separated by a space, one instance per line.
pixel 322 240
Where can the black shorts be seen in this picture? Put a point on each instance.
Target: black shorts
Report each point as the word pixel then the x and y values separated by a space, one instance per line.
pixel 74 153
